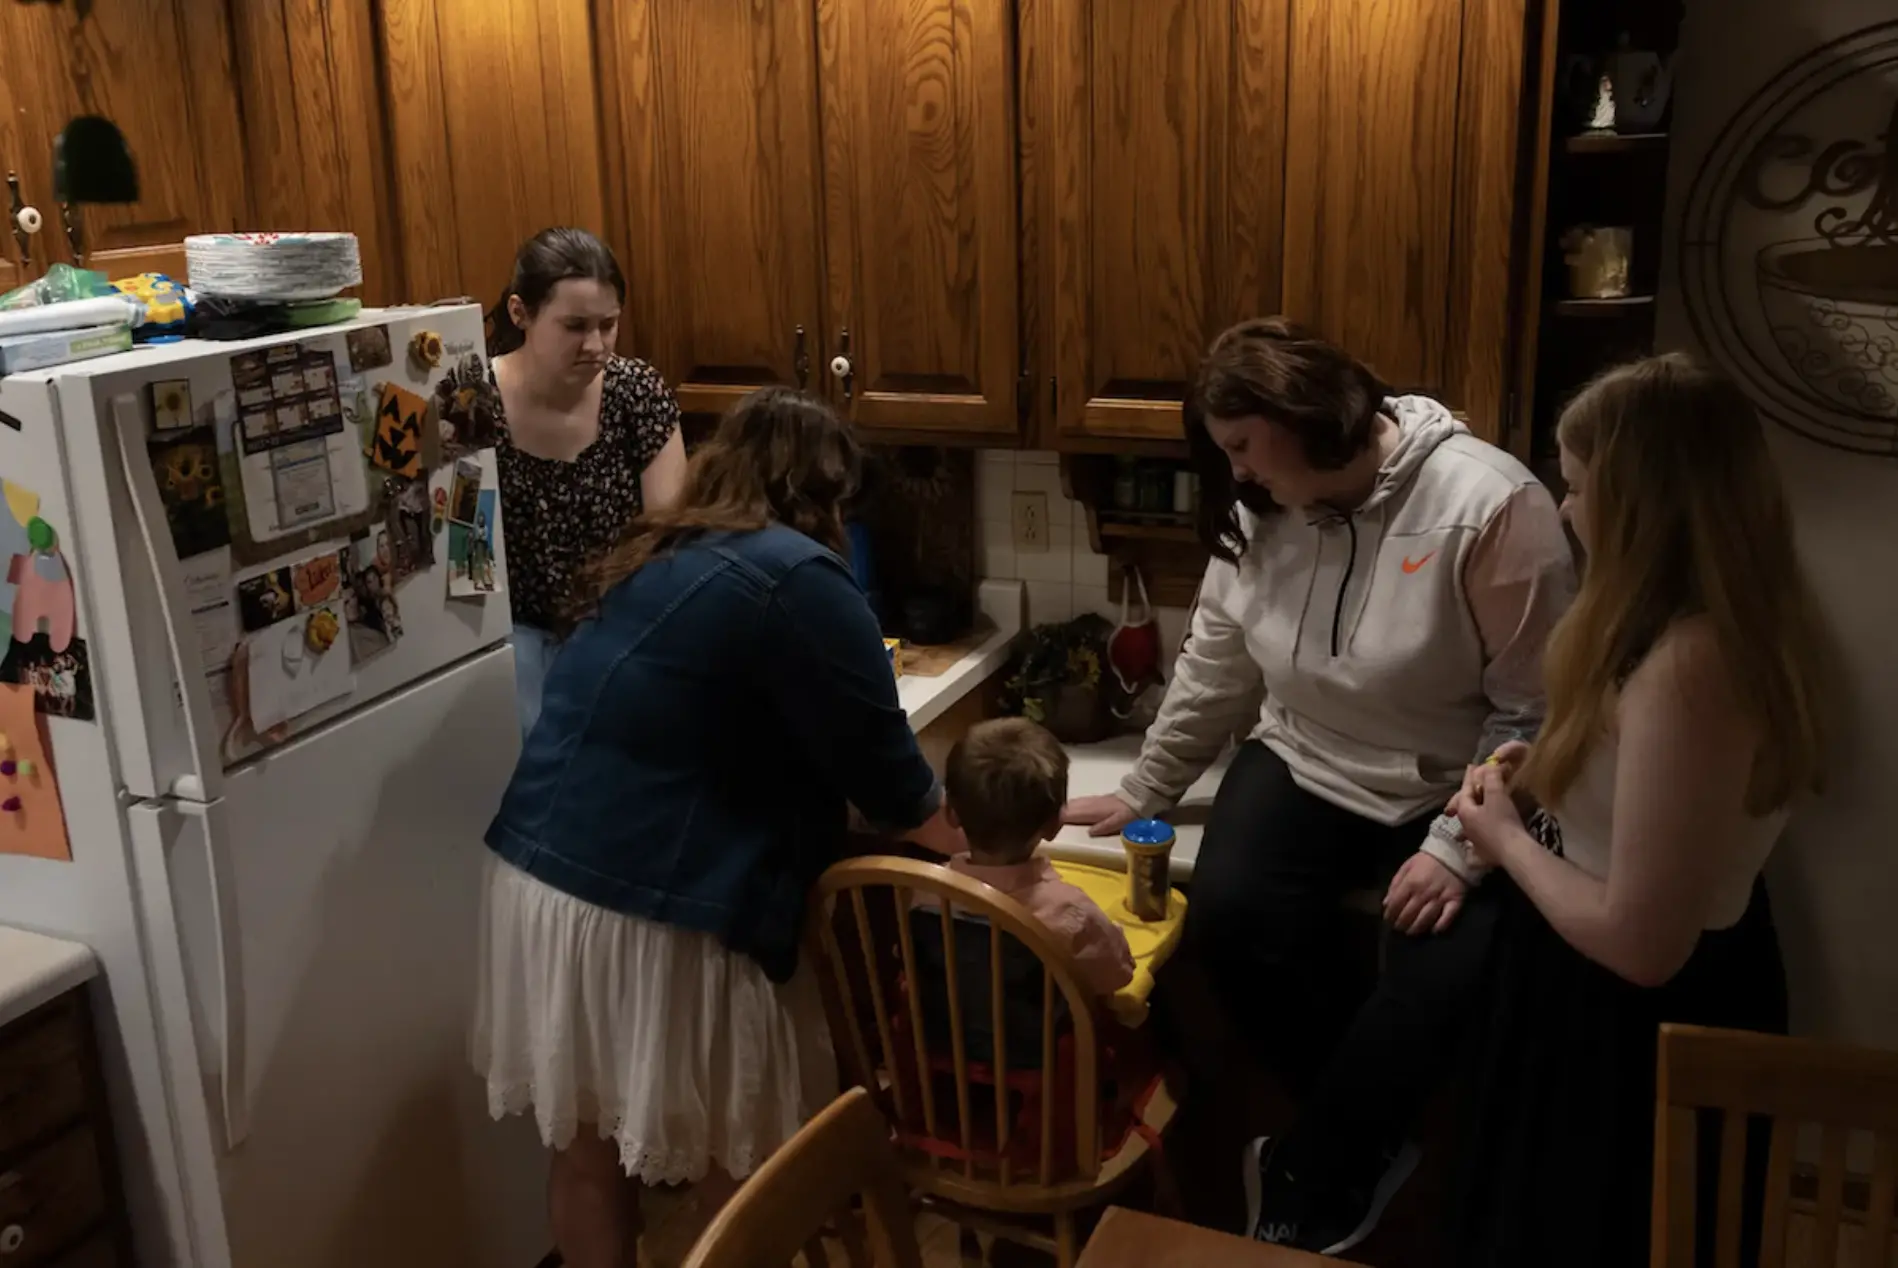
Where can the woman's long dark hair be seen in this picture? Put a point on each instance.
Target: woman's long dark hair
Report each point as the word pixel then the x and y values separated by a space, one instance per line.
pixel 544 261
pixel 778 456
pixel 1271 368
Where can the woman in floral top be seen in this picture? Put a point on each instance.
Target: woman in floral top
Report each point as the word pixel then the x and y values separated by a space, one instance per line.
pixel 590 439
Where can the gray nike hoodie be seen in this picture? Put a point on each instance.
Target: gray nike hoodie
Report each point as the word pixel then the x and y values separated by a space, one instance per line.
pixel 1377 651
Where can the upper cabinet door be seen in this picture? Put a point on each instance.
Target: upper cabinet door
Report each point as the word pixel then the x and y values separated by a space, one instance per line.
pixel 716 109
pixel 159 69
pixel 1371 153
pixel 920 212
pixel 1158 158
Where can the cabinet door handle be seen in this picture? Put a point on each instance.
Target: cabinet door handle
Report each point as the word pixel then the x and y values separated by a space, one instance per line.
pixel 840 364
pixel 25 221
pixel 74 238
pixel 801 359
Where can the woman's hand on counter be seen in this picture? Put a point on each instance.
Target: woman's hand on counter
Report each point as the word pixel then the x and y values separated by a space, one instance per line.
pixel 1102 816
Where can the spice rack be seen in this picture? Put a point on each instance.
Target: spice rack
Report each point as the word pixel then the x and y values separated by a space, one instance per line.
pixel 1143 526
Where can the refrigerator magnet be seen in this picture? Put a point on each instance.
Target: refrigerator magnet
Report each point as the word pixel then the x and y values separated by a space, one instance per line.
pixel 191 487
pixel 396 445
pixel 368 348
pixel 171 404
pixel 425 353
pixel 469 408
pixel 60 681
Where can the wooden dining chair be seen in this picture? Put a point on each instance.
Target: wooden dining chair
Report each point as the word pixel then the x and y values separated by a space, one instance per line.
pixel 1732 1076
pixel 810 1186
pixel 969 1025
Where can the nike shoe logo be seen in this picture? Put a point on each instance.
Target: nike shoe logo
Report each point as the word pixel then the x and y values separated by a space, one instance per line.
pixel 1411 565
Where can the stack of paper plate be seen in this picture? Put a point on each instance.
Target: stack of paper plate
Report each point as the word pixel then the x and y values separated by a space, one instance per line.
pixel 273 266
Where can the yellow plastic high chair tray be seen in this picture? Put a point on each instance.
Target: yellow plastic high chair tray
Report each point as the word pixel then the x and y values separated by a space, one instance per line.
pixel 1151 941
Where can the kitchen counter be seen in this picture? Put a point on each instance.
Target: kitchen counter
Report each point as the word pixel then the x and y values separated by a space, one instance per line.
pixel 926 699
pixel 1094 769
pixel 35 968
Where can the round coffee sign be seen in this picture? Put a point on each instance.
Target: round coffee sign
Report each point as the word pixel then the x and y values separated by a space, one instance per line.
pixel 1789 244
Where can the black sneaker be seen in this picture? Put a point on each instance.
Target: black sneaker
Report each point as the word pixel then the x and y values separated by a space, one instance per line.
pixel 1363 1208
pixel 1281 1211
pixel 1287 1214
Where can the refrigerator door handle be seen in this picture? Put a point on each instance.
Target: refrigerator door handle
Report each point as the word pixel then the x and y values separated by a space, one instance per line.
pixel 157 865
pixel 233 1076
pixel 204 783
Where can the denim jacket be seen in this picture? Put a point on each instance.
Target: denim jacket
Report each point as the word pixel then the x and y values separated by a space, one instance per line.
pixel 699 739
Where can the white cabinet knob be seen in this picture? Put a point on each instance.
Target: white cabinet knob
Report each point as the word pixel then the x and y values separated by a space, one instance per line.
pixel 840 366
pixel 12 1237
pixel 29 219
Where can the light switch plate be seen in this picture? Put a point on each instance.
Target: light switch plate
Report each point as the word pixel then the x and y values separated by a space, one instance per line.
pixel 1031 522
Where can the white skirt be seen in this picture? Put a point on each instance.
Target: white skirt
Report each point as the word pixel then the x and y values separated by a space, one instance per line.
pixel 679 1049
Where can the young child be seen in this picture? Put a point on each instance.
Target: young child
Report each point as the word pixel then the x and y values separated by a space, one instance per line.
pixel 1005 785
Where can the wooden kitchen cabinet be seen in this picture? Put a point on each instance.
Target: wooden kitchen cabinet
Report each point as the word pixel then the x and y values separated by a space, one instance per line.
pixel 715 166
pixel 493 122
pixel 159 69
pixel 1198 162
pixel 1158 155
pixel 822 194
pixel 918 136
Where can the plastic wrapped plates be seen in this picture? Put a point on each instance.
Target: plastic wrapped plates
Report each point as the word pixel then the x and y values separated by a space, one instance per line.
pixel 273 266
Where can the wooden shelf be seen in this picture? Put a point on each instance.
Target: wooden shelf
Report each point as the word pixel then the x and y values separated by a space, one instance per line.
pixel 1615 142
pixel 1153 530
pixel 1624 306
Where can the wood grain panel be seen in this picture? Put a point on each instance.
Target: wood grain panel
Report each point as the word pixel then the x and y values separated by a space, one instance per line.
pixel 1487 233
pixel 411 60
pixel 30 157
pixel 919 184
pixel 161 70
pixel 1370 179
pixel 1031 103
pixel 715 105
pixel 313 127
pixel 1161 181
pixel 494 126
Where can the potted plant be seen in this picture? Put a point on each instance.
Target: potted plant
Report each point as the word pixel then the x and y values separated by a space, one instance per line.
pixel 1057 679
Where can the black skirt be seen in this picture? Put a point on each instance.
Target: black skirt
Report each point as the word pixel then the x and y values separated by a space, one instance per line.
pixel 1559 1136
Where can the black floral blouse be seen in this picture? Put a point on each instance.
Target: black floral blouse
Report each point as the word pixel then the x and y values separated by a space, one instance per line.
pixel 559 515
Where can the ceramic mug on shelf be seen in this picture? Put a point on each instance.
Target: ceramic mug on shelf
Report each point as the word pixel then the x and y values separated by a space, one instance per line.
pixel 1598 261
pixel 1642 83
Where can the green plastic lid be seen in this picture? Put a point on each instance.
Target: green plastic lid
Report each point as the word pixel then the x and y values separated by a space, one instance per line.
pixel 39 534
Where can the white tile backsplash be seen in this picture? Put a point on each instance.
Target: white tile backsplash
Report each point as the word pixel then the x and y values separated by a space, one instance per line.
pixel 1068 578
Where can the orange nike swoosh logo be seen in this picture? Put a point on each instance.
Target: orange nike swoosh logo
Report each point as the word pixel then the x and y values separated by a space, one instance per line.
pixel 1411 565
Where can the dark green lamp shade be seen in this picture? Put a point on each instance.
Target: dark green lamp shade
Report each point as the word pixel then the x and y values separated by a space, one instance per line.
pixel 92 165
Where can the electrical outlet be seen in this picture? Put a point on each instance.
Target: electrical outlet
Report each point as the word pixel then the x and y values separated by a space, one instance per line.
pixel 1031 522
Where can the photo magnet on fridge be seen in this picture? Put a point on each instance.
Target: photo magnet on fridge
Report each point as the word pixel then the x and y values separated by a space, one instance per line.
pixel 191 486
pixel 61 680
pixel 264 600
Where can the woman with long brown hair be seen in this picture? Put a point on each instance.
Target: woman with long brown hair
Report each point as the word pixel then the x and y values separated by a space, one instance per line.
pixel 725 695
pixel 1683 722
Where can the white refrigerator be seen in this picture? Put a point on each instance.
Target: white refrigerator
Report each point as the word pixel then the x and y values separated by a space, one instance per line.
pixel 279 721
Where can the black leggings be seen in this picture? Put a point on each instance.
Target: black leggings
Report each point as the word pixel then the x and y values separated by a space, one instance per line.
pixel 1265 919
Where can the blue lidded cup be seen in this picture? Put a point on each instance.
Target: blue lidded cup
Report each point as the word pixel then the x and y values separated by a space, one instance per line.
pixel 1149 846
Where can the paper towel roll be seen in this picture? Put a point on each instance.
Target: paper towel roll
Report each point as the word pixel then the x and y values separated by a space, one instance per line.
pixel 72 314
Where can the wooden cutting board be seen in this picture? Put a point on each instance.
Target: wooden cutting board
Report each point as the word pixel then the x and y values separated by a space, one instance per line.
pixel 934 661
